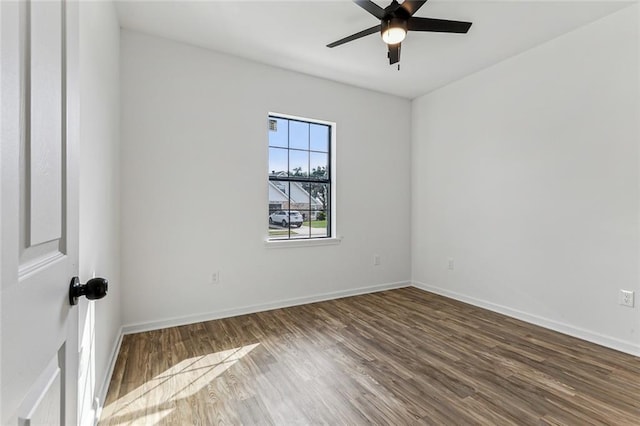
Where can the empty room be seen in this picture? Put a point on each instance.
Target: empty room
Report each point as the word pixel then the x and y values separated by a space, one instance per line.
pixel 320 212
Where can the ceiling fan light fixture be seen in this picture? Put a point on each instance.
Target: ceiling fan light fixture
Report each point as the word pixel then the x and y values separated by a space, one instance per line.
pixel 393 30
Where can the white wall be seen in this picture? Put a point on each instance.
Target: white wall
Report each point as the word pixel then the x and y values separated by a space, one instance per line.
pixel 527 175
pixel 194 185
pixel 100 178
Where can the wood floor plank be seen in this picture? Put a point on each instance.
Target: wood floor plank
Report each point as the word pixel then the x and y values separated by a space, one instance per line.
pixel 397 357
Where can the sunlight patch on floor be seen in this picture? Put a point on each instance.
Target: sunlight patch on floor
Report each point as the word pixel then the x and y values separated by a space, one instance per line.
pixel 155 399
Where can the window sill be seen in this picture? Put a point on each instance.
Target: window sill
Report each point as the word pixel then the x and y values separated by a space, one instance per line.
pixel 302 243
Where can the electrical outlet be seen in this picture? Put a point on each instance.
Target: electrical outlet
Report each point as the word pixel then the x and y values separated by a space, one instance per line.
pixel 626 298
pixel 450 262
pixel 215 277
pixel 376 259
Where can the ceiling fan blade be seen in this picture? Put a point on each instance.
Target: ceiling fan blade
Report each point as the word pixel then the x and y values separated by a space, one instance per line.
pixel 438 25
pixel 394 53
pixel 355 36
pixel 412 6
pixel 371 7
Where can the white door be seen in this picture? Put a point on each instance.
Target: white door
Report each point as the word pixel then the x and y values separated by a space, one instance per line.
pixel 38 211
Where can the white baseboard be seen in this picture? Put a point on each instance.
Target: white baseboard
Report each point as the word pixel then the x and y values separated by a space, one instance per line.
pixel 580 333
pixel 278 304
pixel 102 391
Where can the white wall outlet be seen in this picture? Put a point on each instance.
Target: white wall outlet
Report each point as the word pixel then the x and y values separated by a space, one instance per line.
pixel 626 298
pixel 450 263
pixel 215 277
pixel 376 259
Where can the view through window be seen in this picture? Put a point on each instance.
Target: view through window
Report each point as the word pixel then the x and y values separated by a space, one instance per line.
pixel 299 179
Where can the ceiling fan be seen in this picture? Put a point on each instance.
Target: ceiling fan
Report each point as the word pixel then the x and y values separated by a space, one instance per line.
pixel 395 20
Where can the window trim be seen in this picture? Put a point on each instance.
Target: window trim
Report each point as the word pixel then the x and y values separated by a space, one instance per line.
pixel 302 242
pixel 333 238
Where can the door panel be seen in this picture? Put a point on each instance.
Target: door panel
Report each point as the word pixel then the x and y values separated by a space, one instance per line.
pixel 44 121
pixel 39 211
pixel 42 404
pixel 41 180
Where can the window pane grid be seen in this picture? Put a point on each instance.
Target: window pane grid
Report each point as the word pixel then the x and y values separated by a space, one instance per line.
pixel 300 187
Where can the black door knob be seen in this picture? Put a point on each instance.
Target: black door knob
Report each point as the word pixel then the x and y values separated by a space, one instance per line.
pixel 94 289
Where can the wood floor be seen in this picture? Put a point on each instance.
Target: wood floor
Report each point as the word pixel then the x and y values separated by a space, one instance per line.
pixel 396 357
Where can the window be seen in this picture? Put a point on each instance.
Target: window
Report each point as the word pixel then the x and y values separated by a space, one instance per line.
pixel 299 178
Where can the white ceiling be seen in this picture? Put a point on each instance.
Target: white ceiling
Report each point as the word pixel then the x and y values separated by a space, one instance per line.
pixel 293 35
